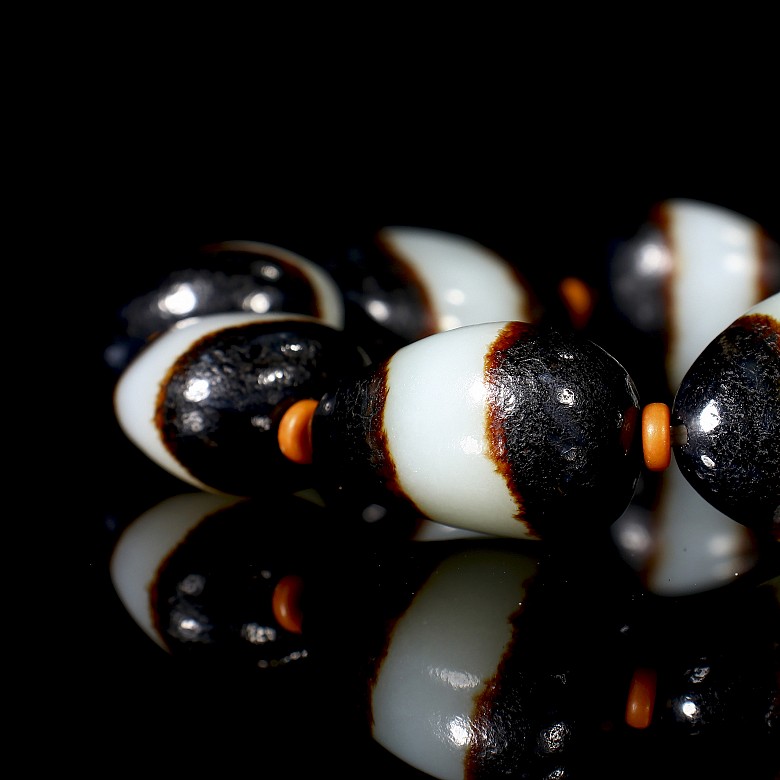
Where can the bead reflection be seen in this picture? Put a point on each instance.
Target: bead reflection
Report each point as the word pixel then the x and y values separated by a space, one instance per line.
pixel 230 276
pixel 199 573
pixel 690 270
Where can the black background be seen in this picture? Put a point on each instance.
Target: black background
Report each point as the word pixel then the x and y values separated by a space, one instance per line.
pixel 551 197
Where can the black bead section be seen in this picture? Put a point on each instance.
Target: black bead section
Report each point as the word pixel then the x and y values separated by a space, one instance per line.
pixel 215 279
pixel 213 594
pixel 354 468
pixel 252 374
pixel 729 403
pixel 383 293
pixel 563 425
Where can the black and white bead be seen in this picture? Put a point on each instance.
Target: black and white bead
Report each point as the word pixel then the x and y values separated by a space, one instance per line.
pixel 199 573
pixel 204 399
pixel 689 271
pixel 412 282
pixel 228 276
pixel 505 428
pixel 727 413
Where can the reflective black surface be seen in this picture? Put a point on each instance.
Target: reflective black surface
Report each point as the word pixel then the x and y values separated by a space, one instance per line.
pixel 729 405
pixel 144 706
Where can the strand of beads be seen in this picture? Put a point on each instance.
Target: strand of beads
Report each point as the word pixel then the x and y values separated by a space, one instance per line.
pixel 504 427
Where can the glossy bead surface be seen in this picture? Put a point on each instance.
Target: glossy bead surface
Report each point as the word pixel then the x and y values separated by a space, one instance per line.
pixel 682 545
pixel 729 406
pixel 413 282
pixel 500 658
pixel 505 428
pixel 431 700
pixel 205 397
pixel 719 675
pixel 227 276
pixel 466 666
pixel 502 663
pixel 690 270
pixel 198 572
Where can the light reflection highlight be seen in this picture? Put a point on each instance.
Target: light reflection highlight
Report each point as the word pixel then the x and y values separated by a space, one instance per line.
pixel 197 390
pixel 477 391
pixel 189 628
pixel 737 263
pixel 470 446
pixel 257 634
pixel 709 419
pixel 378 310
pixel 455 296
pixel 723 545
pixel 459 731
pixel 194 421
pixel 554 738
pixel 654 260
pixel 566 396
pixel 263 422
pixel 455 678
pixel 634 535
pixel 689 709
pixel 296 655
pixel 268 271
pixel 181 300
pixel 258 302
pixel 699 674
pixel 373 513
pixel 271 376
pixel 192 584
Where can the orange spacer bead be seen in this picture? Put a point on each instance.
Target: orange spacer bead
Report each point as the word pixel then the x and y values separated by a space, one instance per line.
pixel 656 436
pixel 286 603
pixel 294 434
pixel 641 698
pixel 578 298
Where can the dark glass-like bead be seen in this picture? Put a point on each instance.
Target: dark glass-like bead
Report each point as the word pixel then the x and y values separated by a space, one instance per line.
pixel 204 399
pixel 728 407
pixel 506 428
pixel 227 276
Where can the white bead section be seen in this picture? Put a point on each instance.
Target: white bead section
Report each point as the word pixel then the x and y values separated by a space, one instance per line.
pixel 136 392
pixel 467 282
pixel 717 264
pixel 443 650
pixel 685 546
pixel 702 549
pixel 149 540
pixel 769 306
pixel 435 420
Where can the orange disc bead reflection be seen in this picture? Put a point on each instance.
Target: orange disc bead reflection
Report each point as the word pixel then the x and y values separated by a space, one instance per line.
pixel 286 603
